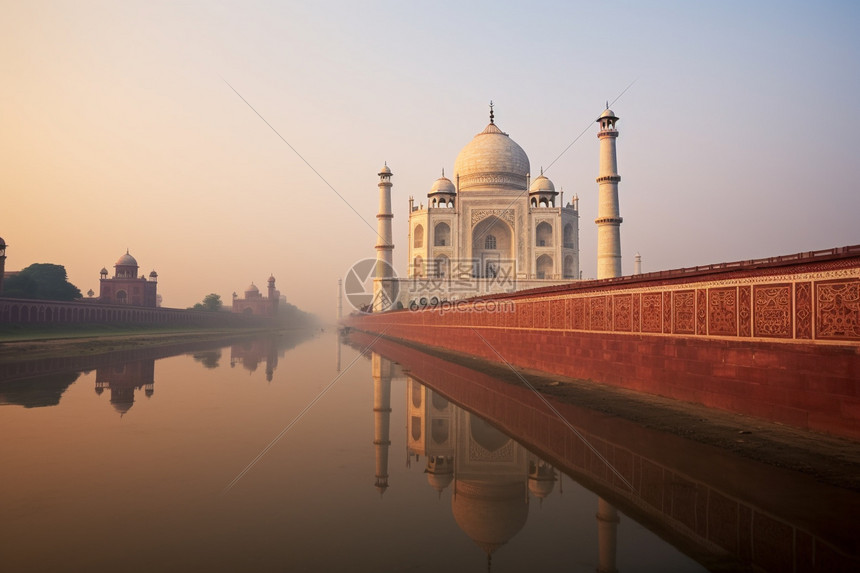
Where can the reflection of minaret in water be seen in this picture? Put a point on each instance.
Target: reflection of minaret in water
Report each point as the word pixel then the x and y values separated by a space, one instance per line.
pixel 607 525
pixel 381 369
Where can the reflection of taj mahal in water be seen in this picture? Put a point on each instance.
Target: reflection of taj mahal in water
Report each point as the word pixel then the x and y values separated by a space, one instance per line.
pixel 491 477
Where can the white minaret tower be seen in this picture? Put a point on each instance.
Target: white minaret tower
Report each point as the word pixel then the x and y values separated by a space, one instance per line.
pixel 608 218
pixel 382 287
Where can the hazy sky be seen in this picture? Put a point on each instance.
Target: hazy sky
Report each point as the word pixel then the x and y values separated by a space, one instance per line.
pixel 737 139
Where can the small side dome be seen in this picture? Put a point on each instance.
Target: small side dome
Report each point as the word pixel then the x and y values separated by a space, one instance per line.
pixel 541 185
pixel 271 279
pixel 127 260
pixel 385 170
pixel 104 271
pixel 153 274
pixel 443 185
pixel 608 113
pixel 252 288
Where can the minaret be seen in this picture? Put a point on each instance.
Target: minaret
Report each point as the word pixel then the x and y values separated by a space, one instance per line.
pixel 384 246
pixel 381 369
pixel 608 218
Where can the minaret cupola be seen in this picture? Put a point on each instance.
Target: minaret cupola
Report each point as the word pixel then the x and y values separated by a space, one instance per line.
pixel 442 194
pixel 542 192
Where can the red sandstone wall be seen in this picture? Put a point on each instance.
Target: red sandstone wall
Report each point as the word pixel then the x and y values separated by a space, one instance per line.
pixel 779 343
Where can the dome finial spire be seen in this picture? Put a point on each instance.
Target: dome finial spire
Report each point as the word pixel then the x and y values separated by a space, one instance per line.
pixel 443 172
pixel 491 112
pixel 607 104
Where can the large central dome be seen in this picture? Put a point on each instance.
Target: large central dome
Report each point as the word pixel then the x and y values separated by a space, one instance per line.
pixel 492 159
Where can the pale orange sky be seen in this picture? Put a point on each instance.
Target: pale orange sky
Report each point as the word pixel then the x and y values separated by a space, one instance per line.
pixel 118 131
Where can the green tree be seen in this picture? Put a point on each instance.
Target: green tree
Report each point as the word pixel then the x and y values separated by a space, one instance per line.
pixel 211 302
pixel 41 280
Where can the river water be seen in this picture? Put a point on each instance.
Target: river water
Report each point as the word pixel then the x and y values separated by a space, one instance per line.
pixel 304 453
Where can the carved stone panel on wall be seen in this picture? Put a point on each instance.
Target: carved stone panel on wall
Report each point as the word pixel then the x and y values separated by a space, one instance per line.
pixel 622 312
pixel 667 312
pixel 556 318
pixel 541 314
pixel 745 311
pixel 722 311
pixel 525 314
pixel 598 312
pixel 701 311
pixel 685 315
pixel 579 314
pixel 637 299
pixel 803 310
pixel 652 312
pixel 772 311
pixel 837 306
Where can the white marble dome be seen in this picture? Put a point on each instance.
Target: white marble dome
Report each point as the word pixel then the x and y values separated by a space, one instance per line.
pixel 492 159
pixel 442 185
pixel 542 184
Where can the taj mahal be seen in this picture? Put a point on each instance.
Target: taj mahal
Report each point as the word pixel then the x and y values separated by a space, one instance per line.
pixel 494 228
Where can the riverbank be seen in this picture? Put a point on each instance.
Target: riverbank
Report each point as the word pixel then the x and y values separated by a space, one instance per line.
pixel 17 343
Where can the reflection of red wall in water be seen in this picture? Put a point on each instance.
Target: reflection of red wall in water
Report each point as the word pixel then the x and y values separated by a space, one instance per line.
pixel 694 494
pixel 778 340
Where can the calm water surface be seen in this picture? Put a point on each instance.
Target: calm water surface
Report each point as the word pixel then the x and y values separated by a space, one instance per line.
pixel 304 455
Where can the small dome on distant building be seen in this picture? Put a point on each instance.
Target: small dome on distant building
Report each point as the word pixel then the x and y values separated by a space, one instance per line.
pixel 608 113
pixel 385 170
pixel 271 278
pixel 127 260
pixel 104 271
pixel 153 274
pixel 252 288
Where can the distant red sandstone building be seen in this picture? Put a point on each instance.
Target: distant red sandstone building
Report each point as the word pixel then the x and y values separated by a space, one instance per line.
pixel 255 303
pixel 125 287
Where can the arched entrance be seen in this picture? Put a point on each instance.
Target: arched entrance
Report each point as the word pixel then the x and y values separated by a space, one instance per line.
pixel 492 248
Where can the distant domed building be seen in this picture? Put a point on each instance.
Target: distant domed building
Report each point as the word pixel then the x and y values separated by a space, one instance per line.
pixel 255 303
pixel 126 287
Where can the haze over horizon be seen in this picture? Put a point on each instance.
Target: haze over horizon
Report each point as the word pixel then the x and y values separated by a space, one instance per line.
pixel 120 131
